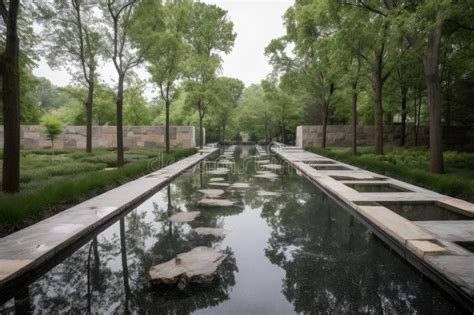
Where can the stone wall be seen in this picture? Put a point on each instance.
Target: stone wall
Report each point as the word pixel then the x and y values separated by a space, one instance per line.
pixel 32 137
pixel 459 138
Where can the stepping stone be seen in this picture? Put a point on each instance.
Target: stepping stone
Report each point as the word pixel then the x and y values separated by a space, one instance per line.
pixel 272 166
pixel 240 185
pixel 215 202
pixel 211 231
pixel 219 184
pixel 263 193
pixel 182 217
pixel 217 179
pixel 270 177
pixel 212 192
pixel 266 174
pixel 219 171
pixel 199 265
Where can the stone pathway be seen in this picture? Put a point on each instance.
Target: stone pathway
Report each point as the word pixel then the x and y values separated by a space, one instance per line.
pixel 434 246
pixel 26 249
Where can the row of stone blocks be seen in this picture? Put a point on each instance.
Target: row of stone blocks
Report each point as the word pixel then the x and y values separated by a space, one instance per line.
pixel 33 137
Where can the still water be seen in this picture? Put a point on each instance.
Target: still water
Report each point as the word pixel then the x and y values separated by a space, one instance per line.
pixel 296 251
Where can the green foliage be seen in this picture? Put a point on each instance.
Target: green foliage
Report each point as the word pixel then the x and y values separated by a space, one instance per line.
pixel 411 165
pixel 52 128
pixel 136 108
pixel 51 181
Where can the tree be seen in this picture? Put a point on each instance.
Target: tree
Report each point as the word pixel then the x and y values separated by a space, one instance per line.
pixel 311 65
pixel 52 128
pixel 160 29
pixel 136 109
pixel 10 77
pixel 210 33
pixel 71 41
pixel 284 110
pixel 123 54
pixel 425 24
pixel 254 113
pixel 228 91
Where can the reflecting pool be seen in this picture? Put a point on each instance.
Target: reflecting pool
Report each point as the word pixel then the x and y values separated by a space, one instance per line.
pixel 291 249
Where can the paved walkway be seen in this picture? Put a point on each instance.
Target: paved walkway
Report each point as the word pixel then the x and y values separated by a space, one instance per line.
pixel 26 249
pixel 432 246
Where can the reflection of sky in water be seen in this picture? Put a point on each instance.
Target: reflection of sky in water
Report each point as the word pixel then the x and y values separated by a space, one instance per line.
pixel 258 282
pixel 295 252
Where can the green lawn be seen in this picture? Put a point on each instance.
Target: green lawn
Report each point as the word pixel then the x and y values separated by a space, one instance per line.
pixel 52 180
pixel 411 165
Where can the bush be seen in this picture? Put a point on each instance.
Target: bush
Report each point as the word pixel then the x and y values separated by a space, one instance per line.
pixel 52 128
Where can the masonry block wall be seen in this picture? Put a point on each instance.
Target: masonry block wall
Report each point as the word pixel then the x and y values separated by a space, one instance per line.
pixel 458 138
pixel 32 137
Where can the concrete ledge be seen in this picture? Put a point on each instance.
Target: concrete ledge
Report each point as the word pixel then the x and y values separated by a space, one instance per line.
pixel 26 249
pixel 430 246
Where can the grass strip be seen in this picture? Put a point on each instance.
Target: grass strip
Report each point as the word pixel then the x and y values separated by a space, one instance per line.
pixel 45 195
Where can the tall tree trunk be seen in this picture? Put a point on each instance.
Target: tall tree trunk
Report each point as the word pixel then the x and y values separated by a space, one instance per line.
pixel 223 133
pixel 325 124
pixel 403 127
pixel 125 274
pixel 120 157
pixel 201 128
pixel 448 108
pixel 266 128
pixel 89 105
pixel 431 65
pixel 167 127
pixel 283 132
pixel 11 103
pixel 378 110
pixel 354 118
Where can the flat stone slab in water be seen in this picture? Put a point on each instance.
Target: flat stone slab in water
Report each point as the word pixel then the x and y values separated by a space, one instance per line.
pixel 217 179
pixel 267 175
pixel 212 192
pixel 225 162
pixel 196 266
pixel 263 193
pixel 219 184
pixel 219 171
pixel 211 231
pixel 215 202
pixel 240 185
pixel 182 217
pixel 272 166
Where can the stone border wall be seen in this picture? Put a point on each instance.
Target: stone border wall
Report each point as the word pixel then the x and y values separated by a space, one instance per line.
pixel 32 137
pixel 459 138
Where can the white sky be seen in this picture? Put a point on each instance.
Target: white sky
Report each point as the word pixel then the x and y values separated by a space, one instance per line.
pixel 256 24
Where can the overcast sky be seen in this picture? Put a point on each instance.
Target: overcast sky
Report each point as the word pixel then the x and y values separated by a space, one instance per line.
pixel 256 24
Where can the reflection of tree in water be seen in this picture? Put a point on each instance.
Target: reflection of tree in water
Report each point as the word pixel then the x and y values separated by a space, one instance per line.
pixel 80 284
pixel 333 263
pixel 157 242
pixel 110 273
